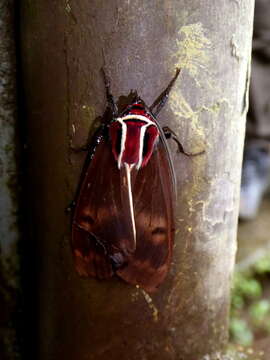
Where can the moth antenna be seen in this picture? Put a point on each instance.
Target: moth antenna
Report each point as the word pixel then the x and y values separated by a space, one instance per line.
pixel 136 96
pixel 163 97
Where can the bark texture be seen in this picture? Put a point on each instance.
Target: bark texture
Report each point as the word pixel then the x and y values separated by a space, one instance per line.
pixel 9 233
pixel 143 41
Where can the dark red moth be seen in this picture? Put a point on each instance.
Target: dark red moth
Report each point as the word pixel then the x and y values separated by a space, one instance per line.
pixel 124 214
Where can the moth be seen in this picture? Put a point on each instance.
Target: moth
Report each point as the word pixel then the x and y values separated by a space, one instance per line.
pixel 123 220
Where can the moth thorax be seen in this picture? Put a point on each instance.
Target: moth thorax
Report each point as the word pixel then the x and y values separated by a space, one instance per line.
pixel 133 140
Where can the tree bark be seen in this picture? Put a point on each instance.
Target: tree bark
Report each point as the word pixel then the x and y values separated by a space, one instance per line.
pixel 143 42
pixel 9 232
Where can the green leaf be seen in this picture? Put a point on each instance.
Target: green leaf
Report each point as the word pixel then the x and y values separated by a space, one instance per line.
pixel 240 332
pixel 259 310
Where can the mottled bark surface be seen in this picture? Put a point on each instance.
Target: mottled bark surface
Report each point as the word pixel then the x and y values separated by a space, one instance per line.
pixel 142 42
pixel 8 185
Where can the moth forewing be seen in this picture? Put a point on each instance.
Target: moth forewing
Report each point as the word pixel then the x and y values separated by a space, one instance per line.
pixel 123 222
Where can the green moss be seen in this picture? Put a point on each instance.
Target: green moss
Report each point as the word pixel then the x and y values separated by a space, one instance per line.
pixel 250 306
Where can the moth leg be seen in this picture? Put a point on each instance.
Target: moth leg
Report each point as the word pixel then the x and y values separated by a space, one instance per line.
pixel 90 145
pixel 163 97
pixel 170 134
pixel 110 99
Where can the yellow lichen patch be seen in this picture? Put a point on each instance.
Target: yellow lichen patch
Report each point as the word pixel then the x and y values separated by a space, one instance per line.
pixel 151 305
pixel 194 206
pixel 189 229
pixel 193 55
pixel 192 49
pixel 68 7
pixel 182 109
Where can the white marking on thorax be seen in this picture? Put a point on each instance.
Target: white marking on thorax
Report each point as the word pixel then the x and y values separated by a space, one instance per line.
pixel 123 140
pixel 130 200
pixel 124 135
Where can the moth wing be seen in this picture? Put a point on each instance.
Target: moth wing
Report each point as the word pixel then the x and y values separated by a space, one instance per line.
pixel 102 232
pixel 154 201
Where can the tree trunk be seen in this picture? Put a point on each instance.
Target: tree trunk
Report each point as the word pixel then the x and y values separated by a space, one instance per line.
pixel 142 42
pixel 9 233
